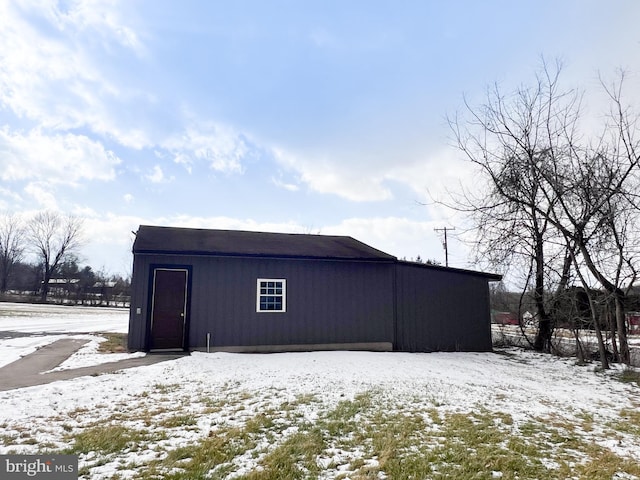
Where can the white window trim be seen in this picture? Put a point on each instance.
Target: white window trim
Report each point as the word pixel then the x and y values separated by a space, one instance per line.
pixel 284 294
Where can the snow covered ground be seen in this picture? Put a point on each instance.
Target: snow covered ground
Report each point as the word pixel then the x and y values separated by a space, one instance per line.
pixel 26 327
pixel 576 418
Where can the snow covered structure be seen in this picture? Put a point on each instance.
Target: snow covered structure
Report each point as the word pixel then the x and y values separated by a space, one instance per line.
pixel 238 291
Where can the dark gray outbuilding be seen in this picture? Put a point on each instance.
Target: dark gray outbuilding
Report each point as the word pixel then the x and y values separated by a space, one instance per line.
pixel 223 290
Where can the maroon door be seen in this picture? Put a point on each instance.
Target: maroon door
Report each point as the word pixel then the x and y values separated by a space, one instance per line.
pixel 169 309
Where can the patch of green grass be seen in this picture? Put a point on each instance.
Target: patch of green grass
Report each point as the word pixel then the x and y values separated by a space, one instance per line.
pixel 165 388
pixel 114 343
pixel 404 444
pixel 211 456
pixel 346 416
pixel 106 439
pixel 306 399
pixel 587 420
pixel 603 463
pixel 7 439
pixel 475 445
pixel 366 437
pixel 196 461
pixel 293 459
pixel 629 422
pixel 260 423
pixel 213 405
pixel 176 421
pixel 393 438
pixel 629 375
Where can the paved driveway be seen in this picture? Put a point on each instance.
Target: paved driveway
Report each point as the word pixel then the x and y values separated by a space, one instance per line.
pixel 28 371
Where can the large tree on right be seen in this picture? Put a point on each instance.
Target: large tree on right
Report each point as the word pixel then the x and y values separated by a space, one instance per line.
pixel 556 195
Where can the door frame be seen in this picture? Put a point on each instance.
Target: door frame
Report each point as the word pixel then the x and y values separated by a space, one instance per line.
pixel 150 301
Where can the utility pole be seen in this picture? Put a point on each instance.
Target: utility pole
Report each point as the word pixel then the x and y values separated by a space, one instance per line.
pixel 444 244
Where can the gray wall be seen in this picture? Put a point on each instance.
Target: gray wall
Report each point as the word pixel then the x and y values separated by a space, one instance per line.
pixel 138 310
pixel 440 310
pixel 328 302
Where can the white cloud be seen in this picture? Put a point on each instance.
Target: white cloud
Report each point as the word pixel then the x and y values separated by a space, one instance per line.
pixel 292 187
pixel 158 176
pixel 58 159
pixel 14 196
pixel 335 177
pixel 221 147
pixel 399 236
pixel 109 245
pixel 50 75
pixel 228 223
pixel 41 193
pixel 435 178
pixel 128 198
pixel 111 228
pixel 368 178
pixel 83 211
pixel 98 17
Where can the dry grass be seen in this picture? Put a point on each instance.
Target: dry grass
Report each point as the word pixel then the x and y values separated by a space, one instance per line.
pixel 369 436
pixel 114 343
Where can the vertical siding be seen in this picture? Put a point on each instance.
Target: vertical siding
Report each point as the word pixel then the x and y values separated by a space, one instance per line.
pixel 137 324
pixel 327 301
pixel 439 310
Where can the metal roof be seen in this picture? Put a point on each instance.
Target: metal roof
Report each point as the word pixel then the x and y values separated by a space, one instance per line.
pixel 172 240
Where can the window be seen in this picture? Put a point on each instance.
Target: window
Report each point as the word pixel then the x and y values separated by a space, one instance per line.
pixel 272 295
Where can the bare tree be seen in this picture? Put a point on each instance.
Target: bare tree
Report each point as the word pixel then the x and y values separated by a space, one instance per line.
pixel 564 203
pixel 508 139
pixel 11 247
pixel 53 237
pixel 597 207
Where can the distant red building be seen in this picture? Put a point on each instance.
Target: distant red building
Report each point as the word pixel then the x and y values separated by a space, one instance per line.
pixel 505 318
pixel 633 322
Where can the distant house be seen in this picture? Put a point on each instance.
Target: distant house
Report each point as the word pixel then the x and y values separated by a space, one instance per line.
pixel 505 318
pixel 238 291
pixel 63 286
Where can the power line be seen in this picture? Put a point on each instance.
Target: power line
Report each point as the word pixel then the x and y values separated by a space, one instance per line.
pixel 444 244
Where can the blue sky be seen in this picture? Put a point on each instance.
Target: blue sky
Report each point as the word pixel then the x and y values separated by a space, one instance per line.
pixel 290 116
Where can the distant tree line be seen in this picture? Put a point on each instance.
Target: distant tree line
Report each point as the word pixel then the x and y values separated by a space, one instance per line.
pixel 53 241
pixel 419 259
pixel 559 207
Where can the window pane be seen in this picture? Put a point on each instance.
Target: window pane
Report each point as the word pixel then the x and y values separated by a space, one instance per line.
pixel 270 302
pixel 271 295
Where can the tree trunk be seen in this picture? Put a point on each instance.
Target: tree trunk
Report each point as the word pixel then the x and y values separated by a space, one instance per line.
pixel 604 361
pixel 542 342
pixel 612 329
pixel 5 266
pixel 44 291
pixel 625 355
pixel 579 348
